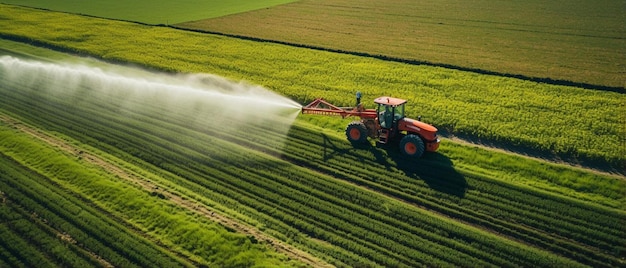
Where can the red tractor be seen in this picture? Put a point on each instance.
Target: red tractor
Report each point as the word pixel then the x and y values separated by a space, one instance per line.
pixel 385 123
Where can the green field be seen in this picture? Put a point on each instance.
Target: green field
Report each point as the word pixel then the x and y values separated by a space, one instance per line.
pixel 151 171
pixel 152 12
pixel 581 41
pixel 310 196
pixel 578 43
pixel 556 122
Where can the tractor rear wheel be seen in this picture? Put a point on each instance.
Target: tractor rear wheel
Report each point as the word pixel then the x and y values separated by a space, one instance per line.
pixel 356 132
pixel 412 145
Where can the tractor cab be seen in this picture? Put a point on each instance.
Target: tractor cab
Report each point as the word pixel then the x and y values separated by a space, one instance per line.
pixel 386 123
pixel 390 111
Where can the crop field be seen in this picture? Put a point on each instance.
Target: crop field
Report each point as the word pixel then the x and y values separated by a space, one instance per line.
pixel 580 41
pixel 563 122
pixel 150 11
pixel 319 202
pixel 79 168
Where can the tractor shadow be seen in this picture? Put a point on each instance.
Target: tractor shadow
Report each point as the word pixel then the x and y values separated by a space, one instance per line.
pixel 435 169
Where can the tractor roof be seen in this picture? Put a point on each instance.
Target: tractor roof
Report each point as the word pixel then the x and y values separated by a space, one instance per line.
pixel 389 101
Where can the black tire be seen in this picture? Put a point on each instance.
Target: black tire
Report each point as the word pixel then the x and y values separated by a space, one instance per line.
pixel 412 146
pixel 356 132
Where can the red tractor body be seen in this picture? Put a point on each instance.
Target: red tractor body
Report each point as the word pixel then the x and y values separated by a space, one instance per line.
pixel 386 123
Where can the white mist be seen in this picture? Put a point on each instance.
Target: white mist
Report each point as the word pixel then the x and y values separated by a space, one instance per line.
pixel 203 99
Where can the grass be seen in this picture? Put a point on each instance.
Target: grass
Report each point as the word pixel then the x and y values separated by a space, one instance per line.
pixel 152 12
pixel 581 42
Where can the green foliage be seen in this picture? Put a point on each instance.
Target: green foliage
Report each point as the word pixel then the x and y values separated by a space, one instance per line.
pixel 556 121
pixel 83 231
pixel 114 243
pixel 348 205
pixel 385 225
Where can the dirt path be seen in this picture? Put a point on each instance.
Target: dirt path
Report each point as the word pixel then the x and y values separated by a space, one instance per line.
pixel 168 194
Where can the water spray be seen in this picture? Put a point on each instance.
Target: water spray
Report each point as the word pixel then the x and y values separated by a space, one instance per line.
pixel 201 99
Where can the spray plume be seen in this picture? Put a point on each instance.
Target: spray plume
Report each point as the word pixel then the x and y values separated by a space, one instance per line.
pixel 200 99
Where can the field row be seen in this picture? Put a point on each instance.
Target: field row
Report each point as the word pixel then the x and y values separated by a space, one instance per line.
pixel 476 197
pixel 479 195
pixel 46 226
pixel 298 203
pixel 78 215
pixel 570 123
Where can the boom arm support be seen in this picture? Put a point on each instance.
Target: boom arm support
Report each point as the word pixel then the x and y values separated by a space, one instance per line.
pixel 322 107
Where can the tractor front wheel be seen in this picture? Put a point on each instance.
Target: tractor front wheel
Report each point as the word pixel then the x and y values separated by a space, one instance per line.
pixel 412 145
pixel 356 132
